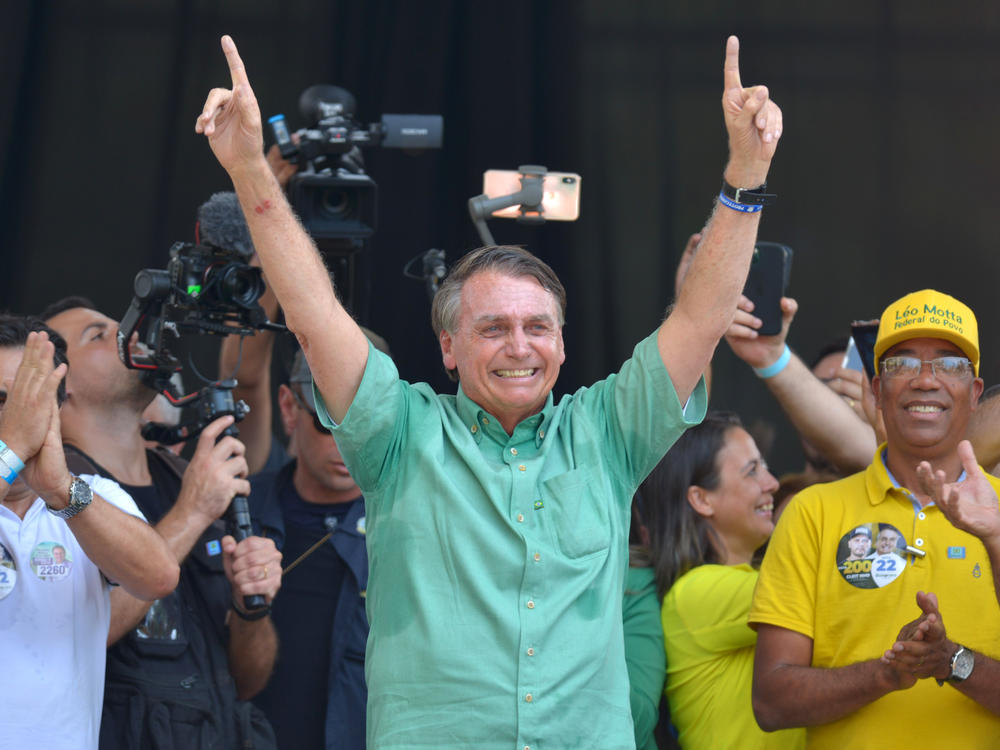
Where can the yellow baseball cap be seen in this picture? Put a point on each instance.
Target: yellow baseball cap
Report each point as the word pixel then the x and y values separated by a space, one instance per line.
pixel 929 314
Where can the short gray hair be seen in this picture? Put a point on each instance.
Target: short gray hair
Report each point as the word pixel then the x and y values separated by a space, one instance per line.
pixel 506 259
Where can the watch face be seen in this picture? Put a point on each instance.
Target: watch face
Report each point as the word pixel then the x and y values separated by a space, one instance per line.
pixel 964 661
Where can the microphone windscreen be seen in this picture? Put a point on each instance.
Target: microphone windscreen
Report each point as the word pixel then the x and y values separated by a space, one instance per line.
pixel 221 223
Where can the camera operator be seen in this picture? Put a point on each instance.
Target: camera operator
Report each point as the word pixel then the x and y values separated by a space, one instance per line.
pixel 63 540
pixel 199 642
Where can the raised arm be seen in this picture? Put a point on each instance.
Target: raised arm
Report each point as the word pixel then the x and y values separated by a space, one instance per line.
pixel 817 412
pixel 334 345
pixel 707 302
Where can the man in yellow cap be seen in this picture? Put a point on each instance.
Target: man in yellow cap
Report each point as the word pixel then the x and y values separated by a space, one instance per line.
pixel 846 659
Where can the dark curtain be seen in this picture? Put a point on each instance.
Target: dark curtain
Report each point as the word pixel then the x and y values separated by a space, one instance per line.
pixel 885 174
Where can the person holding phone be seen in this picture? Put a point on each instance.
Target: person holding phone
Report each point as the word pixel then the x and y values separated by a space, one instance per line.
pixel 497 519
pixel 818 663
pixel 827 424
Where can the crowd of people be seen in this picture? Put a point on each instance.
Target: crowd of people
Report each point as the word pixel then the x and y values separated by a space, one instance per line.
pixel 617 568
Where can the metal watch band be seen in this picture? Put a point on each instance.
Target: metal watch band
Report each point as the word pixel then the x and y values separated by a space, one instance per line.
pixel 80 496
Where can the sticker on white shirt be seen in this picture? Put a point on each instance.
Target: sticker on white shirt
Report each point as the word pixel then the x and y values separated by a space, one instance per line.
pixel 8 572
pixel 870 555
pixel 50 561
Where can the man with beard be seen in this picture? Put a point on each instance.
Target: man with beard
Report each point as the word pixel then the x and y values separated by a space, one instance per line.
pixel 181 671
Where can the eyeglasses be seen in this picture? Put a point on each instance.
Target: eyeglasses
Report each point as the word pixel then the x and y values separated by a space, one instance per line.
pixel 301 402
pixel 954 368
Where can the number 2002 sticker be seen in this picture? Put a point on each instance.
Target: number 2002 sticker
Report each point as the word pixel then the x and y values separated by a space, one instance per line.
pixel 870 555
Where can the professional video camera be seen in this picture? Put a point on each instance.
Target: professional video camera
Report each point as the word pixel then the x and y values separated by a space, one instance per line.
pixel 208 287
pixel 331 193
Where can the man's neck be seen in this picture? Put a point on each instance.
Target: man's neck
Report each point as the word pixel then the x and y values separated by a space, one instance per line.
pixel 903 465
pixel 19 499
pixel 112 438
pixel 313 492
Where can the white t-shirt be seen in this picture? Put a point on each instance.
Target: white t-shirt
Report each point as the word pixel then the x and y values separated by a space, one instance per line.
pixel 55 610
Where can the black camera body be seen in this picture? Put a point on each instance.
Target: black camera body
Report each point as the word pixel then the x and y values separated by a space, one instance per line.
pixel 205 290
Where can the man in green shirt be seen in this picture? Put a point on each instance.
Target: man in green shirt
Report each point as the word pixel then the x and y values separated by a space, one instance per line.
pixel 497 519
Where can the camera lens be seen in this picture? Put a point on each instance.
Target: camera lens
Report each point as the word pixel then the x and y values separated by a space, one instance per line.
pixel 337 204
pixel 568 180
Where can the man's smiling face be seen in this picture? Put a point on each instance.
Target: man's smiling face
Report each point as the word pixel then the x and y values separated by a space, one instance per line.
pixel 927 410
pixel 507 346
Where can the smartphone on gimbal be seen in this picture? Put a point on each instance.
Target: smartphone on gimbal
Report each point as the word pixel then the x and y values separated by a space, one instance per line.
pixel 560 193
pixel 767 281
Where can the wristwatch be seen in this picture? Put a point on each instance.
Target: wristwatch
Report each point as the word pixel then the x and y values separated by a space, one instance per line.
pixel 80 496
pixel 961 665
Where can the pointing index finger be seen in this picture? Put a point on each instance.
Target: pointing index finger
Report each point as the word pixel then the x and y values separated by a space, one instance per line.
pixel 236 69
pixel 731 68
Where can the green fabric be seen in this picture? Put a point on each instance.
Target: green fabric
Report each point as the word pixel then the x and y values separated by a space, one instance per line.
pixel 644 653
pixel 497 563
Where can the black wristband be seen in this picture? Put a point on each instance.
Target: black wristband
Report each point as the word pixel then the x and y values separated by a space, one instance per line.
pixel 757 196
pixel 253 614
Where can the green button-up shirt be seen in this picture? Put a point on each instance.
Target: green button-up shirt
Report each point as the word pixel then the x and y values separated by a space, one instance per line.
pixel 496 562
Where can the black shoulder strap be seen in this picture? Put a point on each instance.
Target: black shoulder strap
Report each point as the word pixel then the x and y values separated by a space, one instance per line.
pixel 79 462
pixel 174 463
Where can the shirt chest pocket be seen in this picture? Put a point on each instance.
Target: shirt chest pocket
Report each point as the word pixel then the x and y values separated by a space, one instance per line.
pixel 579 512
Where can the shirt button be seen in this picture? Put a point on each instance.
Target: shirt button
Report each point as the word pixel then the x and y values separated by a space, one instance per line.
pixel 485 421
pixel 537 557
pixel 531 652
pixel 921 515
pixel 474 429
pixel 513 451
pixel 920 542
pixel 520 518
pixel 531 604
pixel 528 698
pixel 522 467
pixel 527 747
pixel 541 434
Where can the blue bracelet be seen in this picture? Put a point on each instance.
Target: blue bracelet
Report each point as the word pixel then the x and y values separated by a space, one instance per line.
pixel 746 208
pixel 10 458
pixel 777 366
pixel 7 473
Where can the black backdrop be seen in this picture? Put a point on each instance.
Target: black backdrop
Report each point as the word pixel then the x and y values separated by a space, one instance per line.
pixel 886 173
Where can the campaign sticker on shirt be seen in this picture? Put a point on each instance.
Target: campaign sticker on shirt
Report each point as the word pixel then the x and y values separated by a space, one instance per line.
pixel 361 526
pixel 50 561
pixel 213 547
pixel 870 555
pixel 8 572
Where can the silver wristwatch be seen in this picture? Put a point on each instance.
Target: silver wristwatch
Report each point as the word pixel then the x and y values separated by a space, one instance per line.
pixel 961 664
pixel 80 496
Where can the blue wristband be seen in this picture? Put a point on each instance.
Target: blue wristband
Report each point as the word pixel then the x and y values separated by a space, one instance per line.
pixel 7 474
pixel 777 366
pixel 10 458
pixel 745 208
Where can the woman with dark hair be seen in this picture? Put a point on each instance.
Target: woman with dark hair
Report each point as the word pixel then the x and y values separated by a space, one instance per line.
pixel 708 507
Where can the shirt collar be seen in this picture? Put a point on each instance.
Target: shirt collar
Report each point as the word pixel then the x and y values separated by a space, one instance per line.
pixel 479 421
pixel 881 482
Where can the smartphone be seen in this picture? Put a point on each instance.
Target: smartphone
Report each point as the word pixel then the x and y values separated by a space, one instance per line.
pixel 852 360
pixel 560 193
pixel 767 281
pixel 863 335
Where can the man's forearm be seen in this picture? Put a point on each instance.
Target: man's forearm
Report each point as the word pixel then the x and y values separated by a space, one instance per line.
pixel 126 549
pixel 253 648
pixel 822 417
pixel 983 685
pixel 797 696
